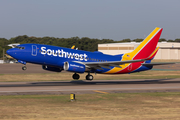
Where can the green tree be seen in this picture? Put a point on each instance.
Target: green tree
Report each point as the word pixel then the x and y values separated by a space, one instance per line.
pixel 138 40
pixel 3 45
pixel 125 40
pixel 162 40
pixel 170 41
pixel 177 40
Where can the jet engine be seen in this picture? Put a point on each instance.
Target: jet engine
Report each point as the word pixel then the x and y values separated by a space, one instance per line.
pixel 50 68
pixel 74 67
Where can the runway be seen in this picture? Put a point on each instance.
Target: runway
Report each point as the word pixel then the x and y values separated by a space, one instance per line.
pixel 83 87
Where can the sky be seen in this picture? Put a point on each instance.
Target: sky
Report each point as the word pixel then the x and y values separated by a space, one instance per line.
pixel 102 19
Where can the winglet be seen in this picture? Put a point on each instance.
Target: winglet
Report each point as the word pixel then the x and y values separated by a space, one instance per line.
pixel 73 47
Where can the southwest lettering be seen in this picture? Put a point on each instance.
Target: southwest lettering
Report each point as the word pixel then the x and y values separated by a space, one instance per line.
pixel 62 53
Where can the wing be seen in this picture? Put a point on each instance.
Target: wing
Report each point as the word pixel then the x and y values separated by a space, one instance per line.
pixel 152 64
pixel 99 65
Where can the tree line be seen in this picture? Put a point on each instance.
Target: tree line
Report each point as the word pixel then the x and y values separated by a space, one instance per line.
pixel 84 43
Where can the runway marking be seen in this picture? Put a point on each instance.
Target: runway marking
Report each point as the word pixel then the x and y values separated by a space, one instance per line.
pixel 62 90
pixel 100 91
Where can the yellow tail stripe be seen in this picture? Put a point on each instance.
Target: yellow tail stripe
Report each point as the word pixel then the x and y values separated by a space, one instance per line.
pixel 154 52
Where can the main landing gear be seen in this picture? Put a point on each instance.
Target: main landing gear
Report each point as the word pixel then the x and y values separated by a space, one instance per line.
pixel 88 77
pixel 75 76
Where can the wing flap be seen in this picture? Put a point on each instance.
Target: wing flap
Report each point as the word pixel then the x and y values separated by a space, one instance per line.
pixel 105 66
pixel 95 67
pixel 115 65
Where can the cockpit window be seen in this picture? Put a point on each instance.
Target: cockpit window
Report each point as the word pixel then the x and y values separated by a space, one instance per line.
pixel 19 47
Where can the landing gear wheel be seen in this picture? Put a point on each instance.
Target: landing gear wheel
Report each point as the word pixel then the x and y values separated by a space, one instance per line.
pixel 24 68
pixel 76 76
pixel 89 77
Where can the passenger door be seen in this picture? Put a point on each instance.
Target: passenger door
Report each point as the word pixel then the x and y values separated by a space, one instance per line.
pixel 34 50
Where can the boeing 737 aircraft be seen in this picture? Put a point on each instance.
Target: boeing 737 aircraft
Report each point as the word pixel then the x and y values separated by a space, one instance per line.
pixel 56 59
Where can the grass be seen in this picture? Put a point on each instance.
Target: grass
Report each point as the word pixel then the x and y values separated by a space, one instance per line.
pixel 67 76
pixel 126 106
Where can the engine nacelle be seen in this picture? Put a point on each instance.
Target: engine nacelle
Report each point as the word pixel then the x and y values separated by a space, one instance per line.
pixel 50 68
pixel 74 67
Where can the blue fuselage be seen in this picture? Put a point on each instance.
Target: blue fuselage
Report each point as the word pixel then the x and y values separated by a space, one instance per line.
pixel 56 56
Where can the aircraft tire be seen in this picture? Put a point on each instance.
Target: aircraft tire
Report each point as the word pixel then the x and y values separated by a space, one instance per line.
pixel 89 77
pixel 24 68
pixel 76 76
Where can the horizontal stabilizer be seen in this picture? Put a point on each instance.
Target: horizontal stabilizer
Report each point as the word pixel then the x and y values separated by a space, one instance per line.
pixel 13 45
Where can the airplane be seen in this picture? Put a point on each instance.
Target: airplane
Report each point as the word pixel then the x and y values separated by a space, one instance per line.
pixel 56 59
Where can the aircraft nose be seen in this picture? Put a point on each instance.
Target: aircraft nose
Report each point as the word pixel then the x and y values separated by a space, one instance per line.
pixel 9 52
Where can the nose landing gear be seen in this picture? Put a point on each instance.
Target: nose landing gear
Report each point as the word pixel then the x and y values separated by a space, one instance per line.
pixel 24 63
pixel 24 68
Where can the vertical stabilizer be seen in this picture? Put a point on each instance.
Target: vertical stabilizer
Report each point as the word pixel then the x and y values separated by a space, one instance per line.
pixel 146 48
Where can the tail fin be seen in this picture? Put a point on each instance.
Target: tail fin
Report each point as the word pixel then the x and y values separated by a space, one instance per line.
pixel 153 54
pixel 147 47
